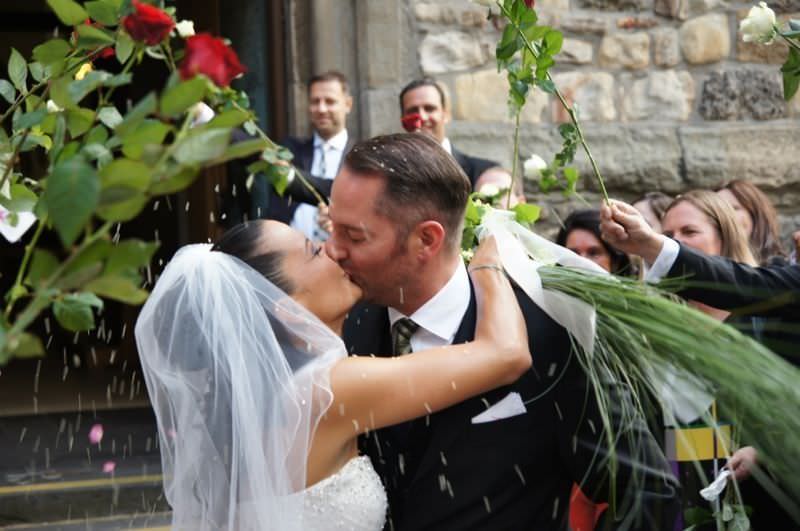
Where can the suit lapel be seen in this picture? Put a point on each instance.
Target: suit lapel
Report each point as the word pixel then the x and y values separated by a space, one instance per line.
pixel 307 154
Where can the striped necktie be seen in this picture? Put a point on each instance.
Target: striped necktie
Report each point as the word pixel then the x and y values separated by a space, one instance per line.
pixel 402 330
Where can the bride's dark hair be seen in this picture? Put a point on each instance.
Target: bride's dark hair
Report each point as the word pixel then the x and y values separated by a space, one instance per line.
pixel 244 241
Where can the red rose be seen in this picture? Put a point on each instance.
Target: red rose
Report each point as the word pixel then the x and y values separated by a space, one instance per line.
pixel 412 122
pixel 211 57
pixel 148 24
pixel 529 3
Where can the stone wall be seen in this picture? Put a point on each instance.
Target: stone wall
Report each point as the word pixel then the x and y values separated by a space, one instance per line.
pixel 670 97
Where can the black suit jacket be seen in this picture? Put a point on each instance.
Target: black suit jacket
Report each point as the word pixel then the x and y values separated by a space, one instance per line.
pixel 771 293
pixel 472 166
pixel 443 472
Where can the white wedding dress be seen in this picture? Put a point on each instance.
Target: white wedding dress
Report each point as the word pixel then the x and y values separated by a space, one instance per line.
pixel 352 499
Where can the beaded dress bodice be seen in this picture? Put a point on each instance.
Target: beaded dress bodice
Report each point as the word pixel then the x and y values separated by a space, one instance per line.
pixel 352 499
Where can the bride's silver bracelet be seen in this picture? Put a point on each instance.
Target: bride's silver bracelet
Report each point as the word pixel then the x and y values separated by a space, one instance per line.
pixel 487 266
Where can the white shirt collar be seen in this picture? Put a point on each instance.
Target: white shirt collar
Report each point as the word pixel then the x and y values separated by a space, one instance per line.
pixel 337 141
pixel 442 314
pixel 447 146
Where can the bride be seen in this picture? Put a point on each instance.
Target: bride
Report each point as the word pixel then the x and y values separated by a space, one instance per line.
pixel 258 405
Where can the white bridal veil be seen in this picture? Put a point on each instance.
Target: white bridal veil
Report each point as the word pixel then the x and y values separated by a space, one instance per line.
pixel 238 377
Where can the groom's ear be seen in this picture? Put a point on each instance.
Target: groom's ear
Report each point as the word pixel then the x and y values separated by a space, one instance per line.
pixel 428 239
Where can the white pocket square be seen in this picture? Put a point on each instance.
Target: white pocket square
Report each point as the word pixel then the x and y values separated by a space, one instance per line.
pixel 510 406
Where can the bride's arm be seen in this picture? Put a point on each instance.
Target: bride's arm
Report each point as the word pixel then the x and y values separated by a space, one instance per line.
pixel 371 393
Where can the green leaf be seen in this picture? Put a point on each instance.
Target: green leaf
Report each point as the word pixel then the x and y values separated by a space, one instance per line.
pixel 22 199
pixel 526 212
pixel 29 119
pixel 38 71
pixel 546 85
pixel 278 177
pixel 508 45
pixel 26 346
pixel 174 181
pixel 121 203
pixel 68 12
pixel 176 100
pixel 129 255
pixel 553 40
pixel 147 132
pixel 139 112
pixel 534 33
pixel 118 288
pixel 98 135
pixel 17 70
pixel 110 116
pixel 202 146
pixel 244 149
pixel 126 173
pixel 91 255
pixel 791 74
pixel 51 51
pixel 571 175
pixel 103 12
pixel 81 88
pixel 230 118
pixel 8 91
pixel 92 37
pixel 43 264
pixel 98 152
pixel 60 93
pixel 71 196
pixel 124 47
pixel 79 121
pixel 74 313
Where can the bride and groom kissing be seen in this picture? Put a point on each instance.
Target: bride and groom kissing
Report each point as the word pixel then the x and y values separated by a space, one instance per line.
pixel 459 406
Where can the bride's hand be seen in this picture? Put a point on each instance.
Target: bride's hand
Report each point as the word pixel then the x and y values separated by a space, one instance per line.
pixel 500 321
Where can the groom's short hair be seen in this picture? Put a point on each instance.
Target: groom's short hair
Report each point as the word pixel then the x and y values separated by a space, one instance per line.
pixel 423 181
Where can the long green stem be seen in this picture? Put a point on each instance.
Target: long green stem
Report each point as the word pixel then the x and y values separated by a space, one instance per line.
pixel 572 115
pixel 24 265
pixel 35 307
pixel 515 163
pixel 297 173
pixel 790 42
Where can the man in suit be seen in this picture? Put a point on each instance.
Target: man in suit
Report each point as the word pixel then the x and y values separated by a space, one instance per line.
pixel 504 460
pixel 319 156
pixel 426 98
pixel 771 292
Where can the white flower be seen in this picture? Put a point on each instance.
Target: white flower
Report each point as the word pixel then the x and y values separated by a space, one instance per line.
pixel 185 28
pixel 489 190
pixel 534 166
pixel 53 106
pixel 759 25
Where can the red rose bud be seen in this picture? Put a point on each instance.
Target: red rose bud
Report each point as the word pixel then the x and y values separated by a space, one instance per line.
pixel 412 122
pixel 530 3
pixel 211 57
pixel 148 24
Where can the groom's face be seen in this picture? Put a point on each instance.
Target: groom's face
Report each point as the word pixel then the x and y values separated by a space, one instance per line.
pixel 364 242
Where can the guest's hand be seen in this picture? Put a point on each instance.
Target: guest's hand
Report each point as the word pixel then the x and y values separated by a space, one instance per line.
pixel 623 227
pixel 324 218
pixel 742 462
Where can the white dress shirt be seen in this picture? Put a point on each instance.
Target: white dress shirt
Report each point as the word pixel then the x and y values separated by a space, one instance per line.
pixel 664 261
pixel 305 217
pixel 440 317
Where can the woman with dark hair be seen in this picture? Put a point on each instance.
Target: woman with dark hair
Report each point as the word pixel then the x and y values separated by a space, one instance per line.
pixel 581 235
pixel 259 407
pixel 757 217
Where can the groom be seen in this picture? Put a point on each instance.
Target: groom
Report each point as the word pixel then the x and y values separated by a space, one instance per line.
pixel 503 460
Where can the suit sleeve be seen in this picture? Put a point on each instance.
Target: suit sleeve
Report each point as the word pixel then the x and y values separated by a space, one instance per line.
pixel 300 193
pixel 729 285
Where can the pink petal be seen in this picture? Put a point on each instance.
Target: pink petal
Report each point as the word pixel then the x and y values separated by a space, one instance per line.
pixel 109 466
pixel 96 434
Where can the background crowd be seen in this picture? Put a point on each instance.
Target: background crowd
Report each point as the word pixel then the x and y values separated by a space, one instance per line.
pixel 735 221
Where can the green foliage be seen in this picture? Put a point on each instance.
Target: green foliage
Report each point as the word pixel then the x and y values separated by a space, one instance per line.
pixel 70 13
pixel 791 74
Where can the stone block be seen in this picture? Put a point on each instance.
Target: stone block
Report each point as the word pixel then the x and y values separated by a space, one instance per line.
pixel 552 5
pixel 683 9
pixel 625 50
pixel 576 51
pixel 435 13
pixel 380 39
pixel 379 111
pixel 662 95
pixel 614 5
pixel 666 50
pixel 706 39
pixel 450 51
pixel 584 25
pixel 592 91
pixel 765 154
pixel 745 93
pixel 479 98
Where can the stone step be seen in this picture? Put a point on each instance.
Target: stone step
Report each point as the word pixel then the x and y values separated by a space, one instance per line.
pixel 158 521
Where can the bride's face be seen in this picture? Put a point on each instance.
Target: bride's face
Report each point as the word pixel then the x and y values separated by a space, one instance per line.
pixel 319 283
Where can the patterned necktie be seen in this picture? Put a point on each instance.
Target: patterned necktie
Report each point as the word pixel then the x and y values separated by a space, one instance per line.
pixel 402 330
